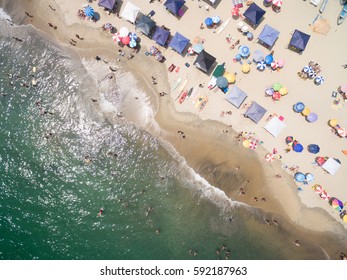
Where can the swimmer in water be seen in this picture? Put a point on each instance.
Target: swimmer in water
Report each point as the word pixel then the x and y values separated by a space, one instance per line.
pixel 100 212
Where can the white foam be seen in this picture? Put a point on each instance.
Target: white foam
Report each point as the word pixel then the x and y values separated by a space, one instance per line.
pixel 4 15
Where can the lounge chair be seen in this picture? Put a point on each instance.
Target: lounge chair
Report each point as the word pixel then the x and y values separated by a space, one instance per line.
pixel 315 2
pixel 342 14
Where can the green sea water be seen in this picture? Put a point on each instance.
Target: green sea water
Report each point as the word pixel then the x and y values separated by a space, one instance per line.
pixel 50 197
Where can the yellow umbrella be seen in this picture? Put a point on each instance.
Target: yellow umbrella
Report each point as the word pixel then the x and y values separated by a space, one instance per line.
pixel 283 91
pixel 245 68
pixel 344 218
pixel 230 77
pixel 306 111
pixel 333 122
pixel 246 143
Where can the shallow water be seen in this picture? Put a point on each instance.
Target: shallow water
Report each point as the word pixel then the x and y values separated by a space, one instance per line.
pixel 49 196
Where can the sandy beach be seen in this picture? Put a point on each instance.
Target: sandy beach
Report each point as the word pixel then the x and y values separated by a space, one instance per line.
pixel 211 137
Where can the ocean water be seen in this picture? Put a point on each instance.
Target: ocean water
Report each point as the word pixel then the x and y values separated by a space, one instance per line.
pixel 50 196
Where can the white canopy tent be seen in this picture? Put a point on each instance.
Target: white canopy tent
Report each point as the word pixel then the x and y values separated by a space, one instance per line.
pixel 275 126
pixel 331 165
pixel 130 12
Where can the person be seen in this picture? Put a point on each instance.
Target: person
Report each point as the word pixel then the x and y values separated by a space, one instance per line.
pixel 98 58
pixel 201 26
pixel 344 66
pixel 297 242
pixel 100 212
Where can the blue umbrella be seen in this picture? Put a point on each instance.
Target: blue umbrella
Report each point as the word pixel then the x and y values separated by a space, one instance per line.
pixel 261 65
pixel 313 148
pixel 268 59
pixel 249 35
pixel 307 69
pixel 309 177
pixel 312 117
pixel 132 44
pixel 299 177
pixel 133 36
pixel 222 82
pixel 298 148
pixel 319 80
pixel 89 11
pixel 208 21
pixel 198 48
pixel 216 19
pixel 269 91
pixel 238 57
pixel 298 107
pixel 244 51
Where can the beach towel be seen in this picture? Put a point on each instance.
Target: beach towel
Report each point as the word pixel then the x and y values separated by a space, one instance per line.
pixel 321 26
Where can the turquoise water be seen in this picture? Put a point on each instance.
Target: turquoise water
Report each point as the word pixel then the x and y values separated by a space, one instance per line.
pixel 50 198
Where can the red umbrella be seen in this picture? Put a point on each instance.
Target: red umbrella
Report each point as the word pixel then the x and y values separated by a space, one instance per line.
pixel 253 145
pixel 269 157
pixel 126 40
pixel 235 11
pixel 274 65
pixel 324 195
pixel 277 3
pixel 116 37
pixel 276 95
pixel 320 160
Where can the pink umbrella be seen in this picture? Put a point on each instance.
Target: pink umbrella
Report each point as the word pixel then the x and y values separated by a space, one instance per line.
pixel 235 11
pixel 274 65
pixel 276 96
pixel 116 37
pixel 253 145
pixel 318 189
pixel 344 88
pixel 277 3
pixel 190 50
pixel 280 63
pixel 126 40
pixel 269 157
pixel 341 131
pixel 324 195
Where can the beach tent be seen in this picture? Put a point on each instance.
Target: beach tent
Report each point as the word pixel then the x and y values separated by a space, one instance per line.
pixel 254 14
pixel 130 12
pixel 331 166
pixel 236 96
pixel 145 24
pixel 160 36
pixel 268 36
pixel 179 43
pixel 275 126
pixel 255 112
pixel 299 40
pixel 174 6
pixel 108 4
pixel 204 61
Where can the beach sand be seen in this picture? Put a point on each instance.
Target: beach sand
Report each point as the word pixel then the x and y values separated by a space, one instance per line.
pixel 207 149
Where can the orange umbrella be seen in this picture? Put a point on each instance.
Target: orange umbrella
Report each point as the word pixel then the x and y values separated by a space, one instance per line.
pixel 344 152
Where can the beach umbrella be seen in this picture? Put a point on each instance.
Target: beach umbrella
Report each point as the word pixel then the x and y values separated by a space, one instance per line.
pixel 312 117
pixel 230 77
pixel 124 31
pixel 313 148
pixel 277 86
pixel 299 176
pixel 333 122
pixel 306 111
pixel 240 25
pixel 341 131
pixel 222 82
pixel 216 19
pixel 108 26
pixel 250 36
pixel 269 91
pixel 298 107
pixel 283 91
pixel 289 140
pixel 309 177
pixel 116 37
pixel 244 29
pixel 311 74
pixel 198 48
pixel 244 51
pixel 245 143
pixel 208 21
pixel 190 50
pixel 319 80
pixel 307 69
pixel 298 148
pixel 277 3
pixel 317 188
pixel 336 203
pixel 258 55
pixel 133 36
pixel 324 195
pixel 280 63
pixel 268 59
pixel 261 65
pixel 253 145
pixel 320 160
pixel 245 68
pixel 344 152
pixel 274 65
pixel 126 40
pixel 89 11
pixel 132 44
pixel 238 57
pixel 343 88
pixel 235 12
pixel 276 96
pixel 344 218
pixel 269 157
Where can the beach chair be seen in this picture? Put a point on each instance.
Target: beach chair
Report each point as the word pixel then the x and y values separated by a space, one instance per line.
pixel 151 13
pixel 315 2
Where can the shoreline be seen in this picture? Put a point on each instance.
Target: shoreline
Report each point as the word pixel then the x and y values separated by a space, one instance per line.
pixel 292 209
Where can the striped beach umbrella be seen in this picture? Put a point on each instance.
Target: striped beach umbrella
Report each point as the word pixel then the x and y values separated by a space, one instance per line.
pixel 336 203
pixel 307 69
pixel 190 50
pixel 274 65
pixel 319 80
pixel 89 11
pixel 342 132
pixel 317 188
pixel 116 37
pixel 277 3
pixel 269 157
pixel 132 44
pixel 311 74
pixel 261 65
pixel 133 36
pixel 253 145
pixel 324 195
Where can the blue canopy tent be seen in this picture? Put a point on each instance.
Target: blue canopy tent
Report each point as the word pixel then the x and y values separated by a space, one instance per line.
pixel 299 40
pixel 179 43
pixel 145 24
pixel 236 96
pixel 255 112
pixel 108 4
pixel 268 36
pixel 254 14
pixel 174 6
pixel 204 61
pixel 160 36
